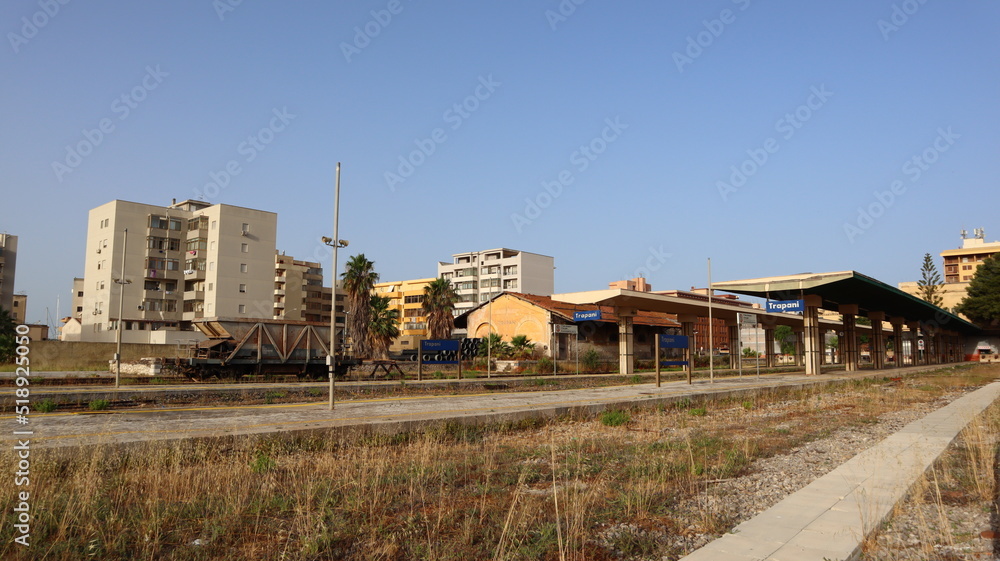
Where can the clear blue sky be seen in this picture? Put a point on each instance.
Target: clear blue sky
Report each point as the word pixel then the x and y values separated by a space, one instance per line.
pixel 865 99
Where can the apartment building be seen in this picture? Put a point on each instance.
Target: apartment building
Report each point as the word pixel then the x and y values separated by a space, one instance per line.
pixel 8 264
pixel 407 298
pixel 182 262
pixel 299 293
pixel 480 275
pixel 19 308
pixel 960 266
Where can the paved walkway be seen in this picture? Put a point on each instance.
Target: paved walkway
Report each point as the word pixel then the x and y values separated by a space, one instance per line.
pixel 829 518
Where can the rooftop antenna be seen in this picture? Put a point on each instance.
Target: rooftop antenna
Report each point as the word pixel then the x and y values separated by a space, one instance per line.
pixel 965 234
pixel 980 233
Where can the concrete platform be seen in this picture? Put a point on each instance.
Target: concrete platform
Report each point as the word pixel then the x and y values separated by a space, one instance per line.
pixel 829 518
pixel 385 415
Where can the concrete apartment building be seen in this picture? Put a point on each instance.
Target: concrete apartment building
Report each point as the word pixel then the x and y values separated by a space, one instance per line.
pixel 8 265
pixel 959 267
pixel 407 298
pixel 19 308
pixel 299 293
pixel 479 275
pixel 184 261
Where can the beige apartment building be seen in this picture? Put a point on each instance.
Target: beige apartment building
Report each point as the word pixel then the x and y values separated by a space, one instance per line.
pixel 480 275
pixel 184 261
pixel 8 264
pixel 960 266
pixel 299 293
pixel 19 308
pixel 407 298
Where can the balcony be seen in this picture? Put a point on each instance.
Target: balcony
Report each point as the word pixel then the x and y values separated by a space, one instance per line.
pixel 279 279
pixel 279 291
pixel 194 274
pixel 279 305
pixel 190 316
pixel 194 294
pixel 157 315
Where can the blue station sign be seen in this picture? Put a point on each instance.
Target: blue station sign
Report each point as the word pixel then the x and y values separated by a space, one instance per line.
pixel 673 341
pixel 786 305
pixel 590 315
pixel 440 351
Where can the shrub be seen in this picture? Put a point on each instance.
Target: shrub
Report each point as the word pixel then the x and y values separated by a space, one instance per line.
pixel 98 405
pixel 262 463
pixel 614 418
pixel 590 360
pixel 544 365
pixel 698 412
pixel 46 406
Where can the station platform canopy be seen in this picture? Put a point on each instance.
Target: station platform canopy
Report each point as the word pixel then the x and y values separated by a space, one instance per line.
pixel 850 288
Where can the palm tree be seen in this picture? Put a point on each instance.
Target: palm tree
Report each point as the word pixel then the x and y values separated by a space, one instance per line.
pixel 384 326
pixel 439 303
pixel 521 346
pixel 359 280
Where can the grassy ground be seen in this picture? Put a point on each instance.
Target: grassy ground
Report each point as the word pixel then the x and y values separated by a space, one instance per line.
pixel 528 491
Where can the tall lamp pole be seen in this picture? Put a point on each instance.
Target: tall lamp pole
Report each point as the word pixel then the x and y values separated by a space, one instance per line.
pixel 121 301
pixel 335 242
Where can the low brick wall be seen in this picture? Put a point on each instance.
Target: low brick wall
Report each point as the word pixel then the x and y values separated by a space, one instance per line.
pixel 77 355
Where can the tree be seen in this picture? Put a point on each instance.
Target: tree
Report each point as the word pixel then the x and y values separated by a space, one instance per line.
pixel 494 346
pixel 982 301
pixel 383 326
pixel 8 336
pixel 785 338
pixel 439 305
pixel 929 285
pixel 359 280
pixel 521 346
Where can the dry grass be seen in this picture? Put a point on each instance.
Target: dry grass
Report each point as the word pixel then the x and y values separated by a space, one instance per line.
pixel 526 491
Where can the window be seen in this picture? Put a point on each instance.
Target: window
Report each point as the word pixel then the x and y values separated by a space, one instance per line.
pixel 243 267
pixel 211 286
pixel 79 294
pixel 510 270
pixel 243 308
pixel 245 228
pixel 243 288
pixel 211 265
pixel 414 299
pixel 197 243
pixel 245 248
pixel 209 307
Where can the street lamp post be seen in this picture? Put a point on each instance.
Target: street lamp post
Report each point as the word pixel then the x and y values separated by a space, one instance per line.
pixel 335 242
pixel 121 300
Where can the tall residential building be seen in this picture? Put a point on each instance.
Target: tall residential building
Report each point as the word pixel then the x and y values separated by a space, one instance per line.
pixel 479 275
pixel 8 263
pixel 407 298
pixel 959 267
pixel 299 293
pixel 184 261
pixel 19 308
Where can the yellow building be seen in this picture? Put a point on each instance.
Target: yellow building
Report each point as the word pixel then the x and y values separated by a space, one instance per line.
pixel 406 297
pixel 959 267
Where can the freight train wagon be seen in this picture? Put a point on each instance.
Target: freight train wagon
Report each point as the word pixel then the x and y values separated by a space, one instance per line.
pixel 237 347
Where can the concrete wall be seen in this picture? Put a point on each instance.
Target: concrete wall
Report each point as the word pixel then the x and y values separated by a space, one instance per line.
pixel 63 355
